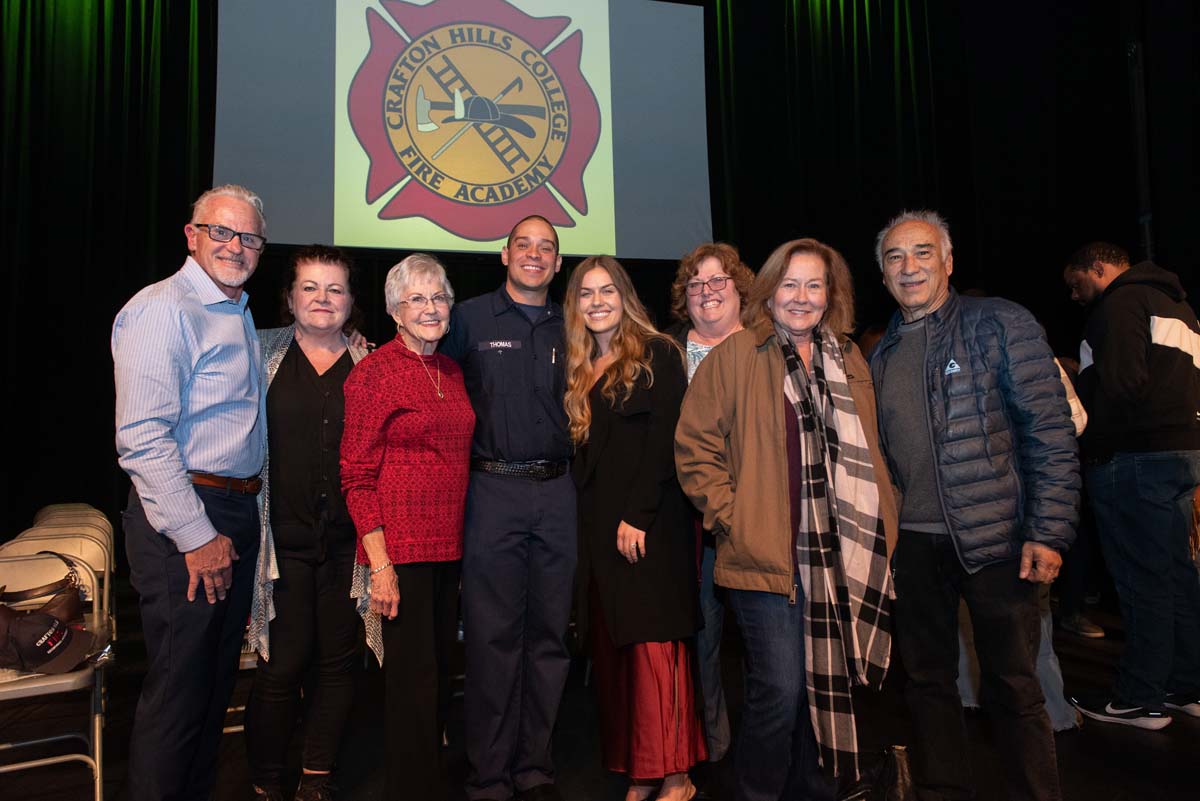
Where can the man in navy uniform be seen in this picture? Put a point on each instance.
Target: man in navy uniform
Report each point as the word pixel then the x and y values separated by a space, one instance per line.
pixel 519 550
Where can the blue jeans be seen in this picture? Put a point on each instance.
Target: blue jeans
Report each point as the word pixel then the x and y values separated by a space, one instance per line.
pixel 708 651
pixel 776 756
pixel 1143 508
pixel 1049 672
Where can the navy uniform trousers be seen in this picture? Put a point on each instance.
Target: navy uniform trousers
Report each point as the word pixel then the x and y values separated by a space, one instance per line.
pixel 192 650
pixel 518 575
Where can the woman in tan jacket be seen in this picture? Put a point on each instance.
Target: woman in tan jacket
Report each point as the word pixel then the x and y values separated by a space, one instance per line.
pixel 777 445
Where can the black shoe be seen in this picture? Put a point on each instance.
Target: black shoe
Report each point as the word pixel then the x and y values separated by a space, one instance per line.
pixel 713 780
pixel 1079 625
pixel 1110 711
pixel 315 787
pixel 540 792
pixel 1187 704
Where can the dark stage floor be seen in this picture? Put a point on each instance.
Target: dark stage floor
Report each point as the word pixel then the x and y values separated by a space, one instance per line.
pixel 1098 763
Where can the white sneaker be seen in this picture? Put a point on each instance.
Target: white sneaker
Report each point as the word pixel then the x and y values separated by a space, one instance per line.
pixel 1109 712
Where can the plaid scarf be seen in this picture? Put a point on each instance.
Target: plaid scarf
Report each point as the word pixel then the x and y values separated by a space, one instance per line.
pixel 840 551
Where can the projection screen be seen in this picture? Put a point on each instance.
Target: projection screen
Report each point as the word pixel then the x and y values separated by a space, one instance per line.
pixel 436 125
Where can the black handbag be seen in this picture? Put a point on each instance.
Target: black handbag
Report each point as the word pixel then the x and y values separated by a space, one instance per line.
pixel 888 779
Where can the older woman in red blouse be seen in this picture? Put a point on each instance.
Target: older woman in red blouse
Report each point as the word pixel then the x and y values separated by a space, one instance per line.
pixel 405 459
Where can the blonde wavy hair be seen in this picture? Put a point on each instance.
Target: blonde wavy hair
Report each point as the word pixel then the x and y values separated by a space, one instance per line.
pixel 629 346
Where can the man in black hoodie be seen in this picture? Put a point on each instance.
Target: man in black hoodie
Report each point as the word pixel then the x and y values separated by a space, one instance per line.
pixel 1140 382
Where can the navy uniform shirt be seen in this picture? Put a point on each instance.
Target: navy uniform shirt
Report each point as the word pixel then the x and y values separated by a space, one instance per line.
pixel 515 371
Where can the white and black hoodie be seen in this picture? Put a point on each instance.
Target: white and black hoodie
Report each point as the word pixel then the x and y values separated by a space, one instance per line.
pixel 1140 366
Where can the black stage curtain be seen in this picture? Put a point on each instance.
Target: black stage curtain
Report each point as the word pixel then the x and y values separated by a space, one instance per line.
pixel 826 117
pixel 1013 120
pixel 108 116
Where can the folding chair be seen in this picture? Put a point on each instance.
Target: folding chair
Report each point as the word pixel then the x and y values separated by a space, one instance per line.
pixel 94 518
pixel 247 661
pixel 72 512
pixel 80 545
pixel 18 572
pixel 63 507
pixel 97 530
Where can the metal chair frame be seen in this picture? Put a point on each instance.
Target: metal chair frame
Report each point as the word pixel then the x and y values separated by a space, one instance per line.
pixel 79 545
pixel 55 513
pixel 31 569
pixel 88 527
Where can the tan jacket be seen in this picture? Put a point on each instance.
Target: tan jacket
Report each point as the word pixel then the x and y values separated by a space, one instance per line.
pixel 731 456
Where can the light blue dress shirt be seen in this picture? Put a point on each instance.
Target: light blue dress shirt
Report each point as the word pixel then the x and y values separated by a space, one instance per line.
pixel 188 373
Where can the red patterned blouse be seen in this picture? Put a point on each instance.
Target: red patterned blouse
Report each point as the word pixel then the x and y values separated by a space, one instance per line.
pixel 406 453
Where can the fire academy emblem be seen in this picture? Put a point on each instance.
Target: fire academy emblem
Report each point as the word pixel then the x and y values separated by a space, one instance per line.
pixel 481 115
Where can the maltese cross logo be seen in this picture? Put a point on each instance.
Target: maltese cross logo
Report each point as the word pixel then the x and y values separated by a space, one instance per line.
pixel 476 119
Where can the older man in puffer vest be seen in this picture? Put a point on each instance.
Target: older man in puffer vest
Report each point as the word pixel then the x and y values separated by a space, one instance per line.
pixel 974 421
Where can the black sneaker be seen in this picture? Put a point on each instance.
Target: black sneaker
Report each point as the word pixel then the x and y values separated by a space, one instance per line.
pixel 1109 711
pixel 1187 704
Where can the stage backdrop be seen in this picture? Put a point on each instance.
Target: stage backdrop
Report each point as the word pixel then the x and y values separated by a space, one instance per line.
pixel 823 119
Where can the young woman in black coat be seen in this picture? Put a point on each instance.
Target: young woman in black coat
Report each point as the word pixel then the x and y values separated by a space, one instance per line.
pixel 637 547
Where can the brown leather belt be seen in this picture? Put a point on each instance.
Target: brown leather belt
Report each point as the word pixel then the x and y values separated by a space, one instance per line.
pixel 246 486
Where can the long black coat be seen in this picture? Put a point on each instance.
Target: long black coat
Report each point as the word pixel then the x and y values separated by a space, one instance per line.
pixel 627 472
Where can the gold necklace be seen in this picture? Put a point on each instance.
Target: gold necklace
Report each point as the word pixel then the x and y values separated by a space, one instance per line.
pixel 437 385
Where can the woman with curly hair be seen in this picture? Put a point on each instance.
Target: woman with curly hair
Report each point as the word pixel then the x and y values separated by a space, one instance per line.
pixel 637 563
pixel 711 286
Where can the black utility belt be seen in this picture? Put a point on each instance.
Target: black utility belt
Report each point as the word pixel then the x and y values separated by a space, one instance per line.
pixel 540 470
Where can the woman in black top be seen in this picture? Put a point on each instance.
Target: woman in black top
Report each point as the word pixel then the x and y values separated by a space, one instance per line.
pixel 637 541
pixel 303 618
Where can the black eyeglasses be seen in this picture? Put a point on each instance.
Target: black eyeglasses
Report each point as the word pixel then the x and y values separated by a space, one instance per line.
pixel 714 284
pixel 219 233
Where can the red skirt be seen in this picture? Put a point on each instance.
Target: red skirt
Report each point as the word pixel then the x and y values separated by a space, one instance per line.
pixel 649 724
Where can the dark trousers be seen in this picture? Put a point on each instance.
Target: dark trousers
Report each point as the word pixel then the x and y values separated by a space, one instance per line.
pixel 929 582
pixel 1080 563
pixel 1143 506
pixel 314 644
pixel 192 650
pixel 708 652
pixel 416 654
pixel 776 756
pixel 518 577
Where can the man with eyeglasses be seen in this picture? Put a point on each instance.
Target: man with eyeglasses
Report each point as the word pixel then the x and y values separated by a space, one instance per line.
pixel 518 564
pixel 191 436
